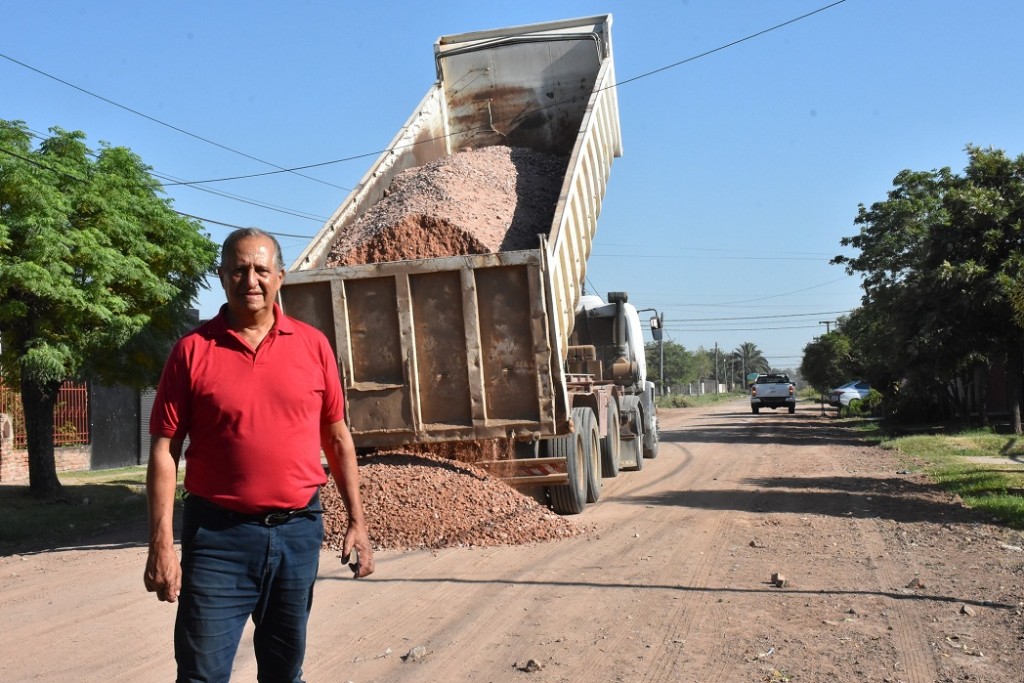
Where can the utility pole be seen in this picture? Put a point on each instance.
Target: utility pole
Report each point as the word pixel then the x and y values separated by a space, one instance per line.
pixel 661 353
pixel 716 368
pixel 828 328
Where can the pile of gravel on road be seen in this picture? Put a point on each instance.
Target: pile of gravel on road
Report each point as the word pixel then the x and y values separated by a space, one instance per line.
pixel 422 501
pixel 477 201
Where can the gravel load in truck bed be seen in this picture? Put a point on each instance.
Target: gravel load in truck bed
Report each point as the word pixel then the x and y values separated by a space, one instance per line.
pixel 423 501
pixel 477 201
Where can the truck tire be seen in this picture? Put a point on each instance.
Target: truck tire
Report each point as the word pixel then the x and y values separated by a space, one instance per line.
pixel 755 409
pixel 610 444
pixel 792 409
pixel 651 440
pixel 586 425
pixel 632 447
pixel 571 497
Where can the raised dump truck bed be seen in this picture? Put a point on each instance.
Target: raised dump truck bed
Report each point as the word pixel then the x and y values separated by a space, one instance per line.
pixel 474 347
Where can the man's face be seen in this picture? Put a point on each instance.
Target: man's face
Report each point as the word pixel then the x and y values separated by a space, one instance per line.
pixel 250 276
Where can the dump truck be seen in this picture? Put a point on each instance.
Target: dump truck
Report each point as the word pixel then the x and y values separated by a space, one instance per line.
pixel 478 347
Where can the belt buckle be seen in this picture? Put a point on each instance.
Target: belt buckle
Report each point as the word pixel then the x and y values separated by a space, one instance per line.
pixel 276 518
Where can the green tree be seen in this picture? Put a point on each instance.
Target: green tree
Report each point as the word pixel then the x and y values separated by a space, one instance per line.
pixel 680 364
pixel 940 257
pixel 97 274
pixel 704 361
pixel 712 364
pixel 826 361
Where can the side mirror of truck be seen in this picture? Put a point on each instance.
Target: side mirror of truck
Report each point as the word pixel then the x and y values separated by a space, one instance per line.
pixel 656 327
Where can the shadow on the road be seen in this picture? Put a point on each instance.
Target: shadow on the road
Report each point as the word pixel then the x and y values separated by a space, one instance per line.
pixel 916 596
pixel 786 429
pixel 895 498
pixel 867 504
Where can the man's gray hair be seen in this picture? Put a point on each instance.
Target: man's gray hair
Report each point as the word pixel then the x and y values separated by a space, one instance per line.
pixel 242 233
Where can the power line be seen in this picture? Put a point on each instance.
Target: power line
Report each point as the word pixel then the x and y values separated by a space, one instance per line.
pixel 795 291
pixel 282 169
pixel 72 176
pixel 220 193
pixel 295 169
pixel 759 317
pixel 549 106
pixel 738 251
pixel 732 44
pixel 737 304
pixel 252 202
pixel 674 328
pixel 727 258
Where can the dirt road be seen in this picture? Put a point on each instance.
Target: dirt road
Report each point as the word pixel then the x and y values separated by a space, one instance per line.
pixel 885 580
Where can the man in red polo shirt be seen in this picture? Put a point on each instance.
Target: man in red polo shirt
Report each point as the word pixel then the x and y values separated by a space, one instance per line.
pixel 258 395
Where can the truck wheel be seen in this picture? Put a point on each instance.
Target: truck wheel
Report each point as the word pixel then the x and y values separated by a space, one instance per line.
pixel 754 409
pixel 571 497
pixel 586 425
pixel 792 409
pixel 610 443
pixel 651 439
pixel 633 446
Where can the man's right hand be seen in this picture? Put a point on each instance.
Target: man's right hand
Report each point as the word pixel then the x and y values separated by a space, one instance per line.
pixel 163 574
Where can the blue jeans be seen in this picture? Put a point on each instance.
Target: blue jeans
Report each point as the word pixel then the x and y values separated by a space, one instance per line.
pixel 234 567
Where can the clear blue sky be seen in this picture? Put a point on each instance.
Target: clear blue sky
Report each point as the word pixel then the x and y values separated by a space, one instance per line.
pixel 741 172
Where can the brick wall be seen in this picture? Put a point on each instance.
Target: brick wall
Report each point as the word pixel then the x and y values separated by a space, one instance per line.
pixel 14 463
pixel 11 468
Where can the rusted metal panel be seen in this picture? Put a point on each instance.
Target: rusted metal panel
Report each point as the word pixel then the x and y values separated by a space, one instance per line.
pixel 439 326
pixel 374 333
pixel 433 353
pixel 508 354
pixel 311 302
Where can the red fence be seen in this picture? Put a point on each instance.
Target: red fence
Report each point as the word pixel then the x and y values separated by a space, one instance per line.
pixel 70 416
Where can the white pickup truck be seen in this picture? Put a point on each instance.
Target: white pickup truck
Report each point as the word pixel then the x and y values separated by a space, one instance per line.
pixel 772 391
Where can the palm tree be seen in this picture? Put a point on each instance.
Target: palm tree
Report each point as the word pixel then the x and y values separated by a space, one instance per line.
pixel 751 359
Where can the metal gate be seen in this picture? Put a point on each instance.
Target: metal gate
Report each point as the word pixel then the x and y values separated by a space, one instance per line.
pixel 114 420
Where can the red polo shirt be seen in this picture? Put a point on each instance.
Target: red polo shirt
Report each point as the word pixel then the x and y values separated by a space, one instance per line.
pixel 253 418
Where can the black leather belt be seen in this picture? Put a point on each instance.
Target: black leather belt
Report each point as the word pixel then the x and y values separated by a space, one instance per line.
pixel 270 518
pixel 284 516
